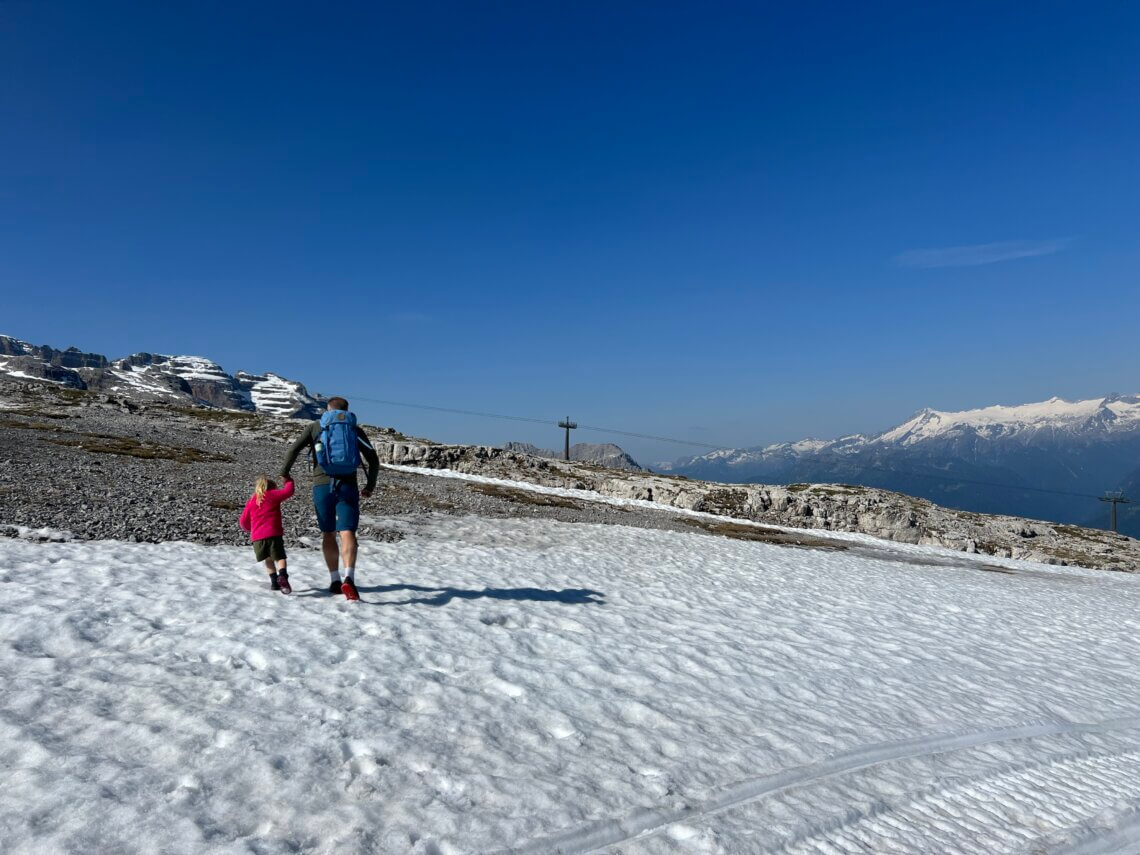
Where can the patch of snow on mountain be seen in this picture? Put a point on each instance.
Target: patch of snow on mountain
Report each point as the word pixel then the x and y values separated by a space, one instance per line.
pixel 803 446
pixel 138 378
pixel 540 687
pixel 271 393
pixel 23 375
pixel 274 395
pixel 197 368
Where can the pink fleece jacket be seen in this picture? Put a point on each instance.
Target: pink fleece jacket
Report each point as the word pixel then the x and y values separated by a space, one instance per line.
pixel 264 520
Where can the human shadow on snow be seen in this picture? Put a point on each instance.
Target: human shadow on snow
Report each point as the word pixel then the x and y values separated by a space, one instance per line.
pixel 443 596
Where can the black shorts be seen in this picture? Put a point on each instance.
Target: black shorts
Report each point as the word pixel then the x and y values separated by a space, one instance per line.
pixel 269 547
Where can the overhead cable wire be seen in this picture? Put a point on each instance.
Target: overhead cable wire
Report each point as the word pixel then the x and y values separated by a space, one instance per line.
pixel 553 422
pixel 675 440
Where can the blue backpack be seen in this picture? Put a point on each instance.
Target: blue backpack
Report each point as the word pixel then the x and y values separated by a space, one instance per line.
pixel 336 450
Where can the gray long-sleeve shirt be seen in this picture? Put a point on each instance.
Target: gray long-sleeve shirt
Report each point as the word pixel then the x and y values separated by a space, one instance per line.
pixel 310 437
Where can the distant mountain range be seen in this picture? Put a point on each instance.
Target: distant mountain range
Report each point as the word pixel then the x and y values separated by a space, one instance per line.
pixel 604 454
pixel 1048 460
pixel 154 377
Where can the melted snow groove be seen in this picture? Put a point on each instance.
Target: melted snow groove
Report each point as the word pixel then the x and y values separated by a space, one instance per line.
pixel 1124 836
pixel 983 813
pixel 609 832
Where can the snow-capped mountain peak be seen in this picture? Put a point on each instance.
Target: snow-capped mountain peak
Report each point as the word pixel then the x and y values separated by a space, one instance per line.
pixel 1056 414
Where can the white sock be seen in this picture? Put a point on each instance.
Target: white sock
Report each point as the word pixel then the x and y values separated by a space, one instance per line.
pixel 349 572
pixel 334 575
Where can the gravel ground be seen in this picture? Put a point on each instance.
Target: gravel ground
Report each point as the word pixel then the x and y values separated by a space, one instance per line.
pixel 105 469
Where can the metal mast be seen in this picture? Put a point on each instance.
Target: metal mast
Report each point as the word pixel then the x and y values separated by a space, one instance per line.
pixel 569 425
pixel 1116 498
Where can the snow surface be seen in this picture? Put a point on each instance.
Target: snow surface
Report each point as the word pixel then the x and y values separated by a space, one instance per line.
pixel 536 686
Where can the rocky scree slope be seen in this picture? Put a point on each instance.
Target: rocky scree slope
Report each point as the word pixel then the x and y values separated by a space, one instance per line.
pixel 149 377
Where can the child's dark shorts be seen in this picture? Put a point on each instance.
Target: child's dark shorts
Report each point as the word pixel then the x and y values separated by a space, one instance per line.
pixel 269 547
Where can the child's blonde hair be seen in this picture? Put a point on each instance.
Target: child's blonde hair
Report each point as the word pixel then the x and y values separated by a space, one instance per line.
pixel 260 486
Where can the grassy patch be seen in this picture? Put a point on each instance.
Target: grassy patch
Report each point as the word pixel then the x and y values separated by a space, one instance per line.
pixel 797 488
pixel 391 434
pixel 1072 556
pixel 727 501
pixel 526 497
pixel 226 504
pixel 126 447
pixel 22 425
pixel 737 531
pixel 1090 534
pixel 36 413
pixel 836 490
pixel 668 476
pixel 415 497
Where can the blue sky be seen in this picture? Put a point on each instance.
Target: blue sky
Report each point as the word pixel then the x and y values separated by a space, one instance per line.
pixel 733 223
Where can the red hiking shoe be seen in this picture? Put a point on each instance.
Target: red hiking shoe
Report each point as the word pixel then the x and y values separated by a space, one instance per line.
pixel 349 590
pixel 283 582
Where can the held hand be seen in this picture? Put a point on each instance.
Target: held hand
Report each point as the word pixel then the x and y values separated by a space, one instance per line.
pixel 366 493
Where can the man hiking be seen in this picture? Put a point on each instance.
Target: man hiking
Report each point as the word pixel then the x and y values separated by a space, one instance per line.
pixel 336 445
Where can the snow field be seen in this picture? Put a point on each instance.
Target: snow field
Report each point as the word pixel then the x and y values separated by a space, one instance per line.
pixel 534 686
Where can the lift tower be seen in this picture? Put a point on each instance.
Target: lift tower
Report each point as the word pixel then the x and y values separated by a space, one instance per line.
pixel 1117 498
pixel 569 425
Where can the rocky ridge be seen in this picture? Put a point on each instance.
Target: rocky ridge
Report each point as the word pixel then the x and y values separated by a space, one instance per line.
pixel 603 454
pixel 149 377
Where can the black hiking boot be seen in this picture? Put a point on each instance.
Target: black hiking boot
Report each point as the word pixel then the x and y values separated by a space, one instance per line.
pixel 274 583
pixel 334 587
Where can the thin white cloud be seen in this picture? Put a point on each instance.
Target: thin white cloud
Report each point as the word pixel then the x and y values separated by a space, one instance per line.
pixel 981 253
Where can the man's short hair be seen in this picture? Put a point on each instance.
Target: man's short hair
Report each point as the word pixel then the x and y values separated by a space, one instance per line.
pixel 338 404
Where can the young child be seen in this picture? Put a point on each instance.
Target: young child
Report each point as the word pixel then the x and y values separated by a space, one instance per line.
pixel 262 519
